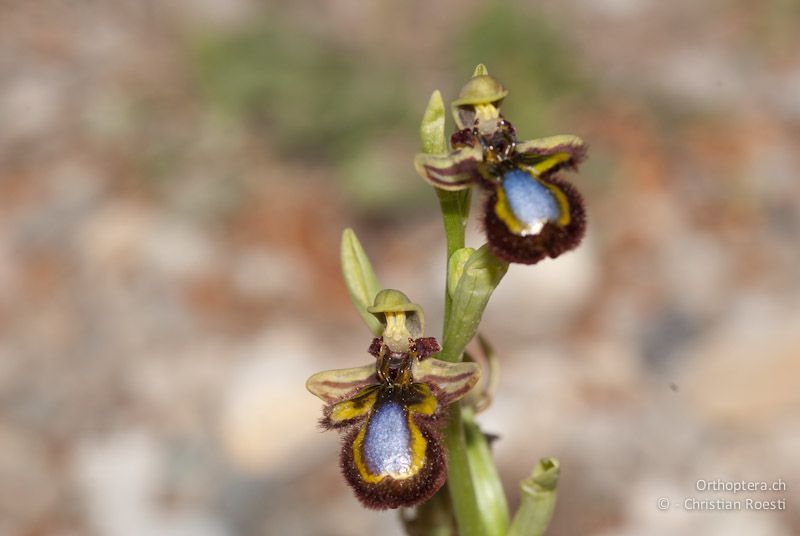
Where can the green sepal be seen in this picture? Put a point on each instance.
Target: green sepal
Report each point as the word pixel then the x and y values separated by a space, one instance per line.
pixel 488 486
pixel 393 301
pixel 455 267
pixel 360 279
pixel 482 273
pixel 480 89
pixel 538 499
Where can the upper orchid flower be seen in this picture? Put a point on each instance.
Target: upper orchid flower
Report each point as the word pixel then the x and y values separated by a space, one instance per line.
pixel 529 212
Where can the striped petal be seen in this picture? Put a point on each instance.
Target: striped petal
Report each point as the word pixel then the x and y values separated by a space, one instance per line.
pixel 451 380
pixel 545 156
pixel 333 385
pixel 455 171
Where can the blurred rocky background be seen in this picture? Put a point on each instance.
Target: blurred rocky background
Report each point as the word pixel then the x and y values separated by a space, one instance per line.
pixel 174 179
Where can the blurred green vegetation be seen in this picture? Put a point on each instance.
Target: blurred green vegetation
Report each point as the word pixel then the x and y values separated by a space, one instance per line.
pixel 772 29
pixel 549 87
pixel 529 55
pixel 317 100
pixel 314 97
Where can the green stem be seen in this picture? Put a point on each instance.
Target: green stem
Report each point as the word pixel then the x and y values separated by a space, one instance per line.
pixel 459 478
pixel 455 209
pixel 431 518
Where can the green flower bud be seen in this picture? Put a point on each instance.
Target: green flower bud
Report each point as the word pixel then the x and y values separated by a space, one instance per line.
pixel 538 499
pixel 455 269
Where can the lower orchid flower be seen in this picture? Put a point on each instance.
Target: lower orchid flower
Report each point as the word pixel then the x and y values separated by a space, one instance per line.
pixel 390 414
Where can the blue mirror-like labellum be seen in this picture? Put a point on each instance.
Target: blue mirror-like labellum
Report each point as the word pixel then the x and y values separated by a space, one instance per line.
pixel 528 218
pixel 386 447
pixel 392 456
pixel 532 204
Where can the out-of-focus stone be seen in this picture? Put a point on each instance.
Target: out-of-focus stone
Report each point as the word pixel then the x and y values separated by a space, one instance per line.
pixel 268 420
pixel 29 105
pixel 27 492
pixel 270 275
pixel 535 300
pixel 746 373
pixel 127 236
pixel 120 477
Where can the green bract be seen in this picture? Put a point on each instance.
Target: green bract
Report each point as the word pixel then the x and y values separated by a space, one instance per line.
pixel 455 268
pixel 360 279
pixel 482 272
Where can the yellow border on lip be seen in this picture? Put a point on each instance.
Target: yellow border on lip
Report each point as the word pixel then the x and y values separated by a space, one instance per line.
pixel 418 443
pixel 506 215
pixel 354 407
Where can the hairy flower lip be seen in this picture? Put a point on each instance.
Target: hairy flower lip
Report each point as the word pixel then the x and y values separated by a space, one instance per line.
pixel 551 241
